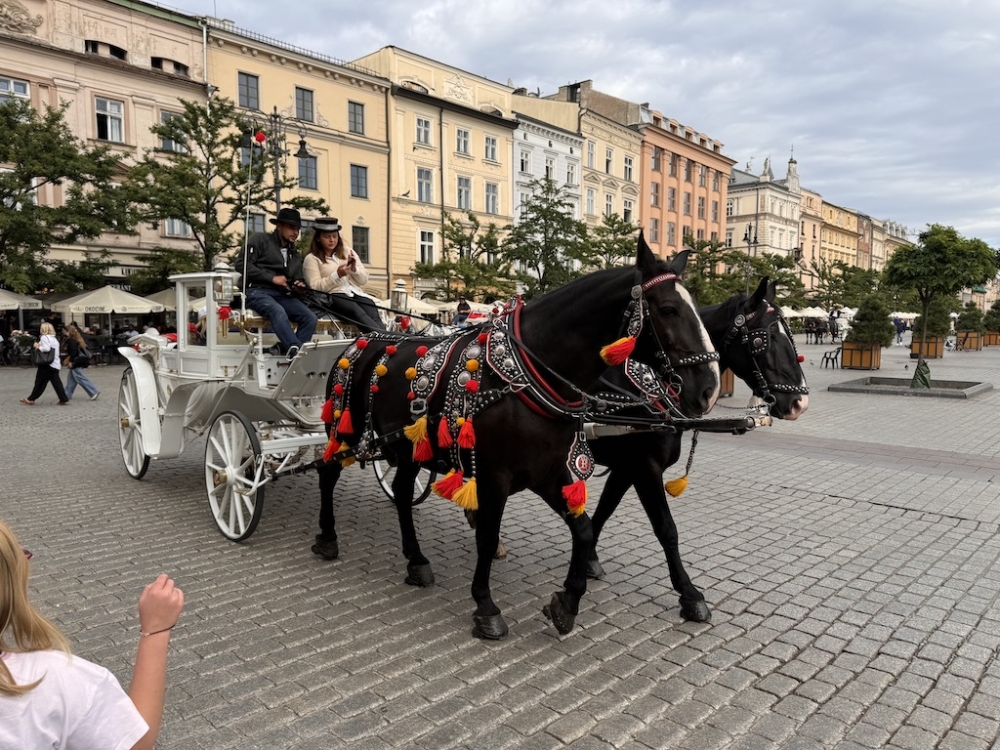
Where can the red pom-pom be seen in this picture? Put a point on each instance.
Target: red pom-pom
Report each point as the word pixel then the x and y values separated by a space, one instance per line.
pixel 446 487
pixel 345 426
pixel 467 435
pixel 224 312
pixel 481 338
pixel 361 343
pixel 444 434
pixel 374 389
pixel 576 496
pixel 326 414
pixel 423 451
pixel 338 389
pixel 421 351
pixel 390 349
pixel 411 395
pixel 259 136
pixel 800 358
pixel 472 386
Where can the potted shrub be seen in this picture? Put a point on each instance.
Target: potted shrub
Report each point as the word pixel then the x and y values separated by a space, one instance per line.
pixel 969 328
pixel 871 329
pixel 991 325
pixel 938 326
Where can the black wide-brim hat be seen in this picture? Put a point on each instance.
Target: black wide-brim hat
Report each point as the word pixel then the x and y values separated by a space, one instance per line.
pixel 326 224
pixel 288 216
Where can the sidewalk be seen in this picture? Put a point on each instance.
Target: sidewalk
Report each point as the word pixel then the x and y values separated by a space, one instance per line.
pixel 851 560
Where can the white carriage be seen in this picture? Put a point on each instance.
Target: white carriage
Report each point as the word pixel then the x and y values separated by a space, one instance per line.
pixel 261 411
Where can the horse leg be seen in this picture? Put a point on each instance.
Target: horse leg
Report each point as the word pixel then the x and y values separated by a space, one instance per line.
pixel 487 621
pixel 564 606
pixel 326 540
pixel 614 490
pixel 418 568
pixel 502 551
pixel 654 501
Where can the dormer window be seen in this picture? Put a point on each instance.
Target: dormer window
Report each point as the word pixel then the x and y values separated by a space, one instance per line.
pixel 94 47
pixel 413 86
pixel 169 66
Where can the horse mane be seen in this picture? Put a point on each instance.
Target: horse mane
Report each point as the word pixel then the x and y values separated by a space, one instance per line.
pixel 571 289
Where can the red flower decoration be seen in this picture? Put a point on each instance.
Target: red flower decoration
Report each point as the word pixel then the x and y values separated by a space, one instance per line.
pixel 224 312
pixel 421 351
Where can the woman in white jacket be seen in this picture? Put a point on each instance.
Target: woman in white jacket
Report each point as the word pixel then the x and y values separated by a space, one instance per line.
pixel 47 373
pixel 334 268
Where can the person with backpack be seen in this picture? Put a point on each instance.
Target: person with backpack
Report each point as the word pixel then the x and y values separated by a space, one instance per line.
pixel 76 360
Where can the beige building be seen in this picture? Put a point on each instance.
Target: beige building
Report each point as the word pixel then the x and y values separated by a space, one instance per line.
pixel 839 234
pixel 338 109
pixel 121 67
pixel 452 135
pixel 810 233
pixel 766 210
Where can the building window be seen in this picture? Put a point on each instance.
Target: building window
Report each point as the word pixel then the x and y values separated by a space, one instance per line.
pixel 671 199
pixel 426 246
pixel 702 176
pixel 11 88
pixel 571 174
pixel 464 193
pixel 701 207
pixel 729 238
pixel 490 148
pixel 166 144
pixel 687 204
pixel 628 169
pixel 110 120
pixel 609 160
pixel 715 210
pixel 249 91
pixel 356 118
pixel 492 198
pixel 671 233
pixel 730 208
pixel 590 201
pixel 304 104
pixel 424 193
pixel 525 197
pixel 673 165
pixel 462 141
pixel 423 131
pixel 550 168
pixel 359 181
pixel 654 194
pixel 657 158
pixel 525 164
pixel 176 228
pixel 360 243
pixel 627 210
pixel 715 181
pixel 169 66
pixel 91 47
pixel 307 173
pixel 685 233
pixel 590 154
pixel 688 168
pixel 700 234
pixel 254 223
pixel 654 230
pixel 116 52
pixel 609 204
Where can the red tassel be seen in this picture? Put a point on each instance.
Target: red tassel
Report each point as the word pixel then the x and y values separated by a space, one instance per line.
pixel 444 434
pixel 618 352
pixel 466 435
pixel 331 448
pixel 446 487
pixel 327 413
pixel 423 451
pixel 576 496
pixel 346 426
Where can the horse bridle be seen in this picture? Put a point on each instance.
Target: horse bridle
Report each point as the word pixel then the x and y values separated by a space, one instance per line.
pixel 758 341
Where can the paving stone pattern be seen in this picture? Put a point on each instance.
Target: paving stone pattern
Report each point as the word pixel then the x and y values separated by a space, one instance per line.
pixel 850 560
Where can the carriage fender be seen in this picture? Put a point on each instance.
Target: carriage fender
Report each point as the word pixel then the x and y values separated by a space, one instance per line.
pixel 145 386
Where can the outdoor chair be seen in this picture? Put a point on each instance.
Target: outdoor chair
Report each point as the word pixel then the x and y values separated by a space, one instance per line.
pixel 832 358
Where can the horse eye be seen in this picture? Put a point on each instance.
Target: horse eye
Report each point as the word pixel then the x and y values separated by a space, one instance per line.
pixel 668 310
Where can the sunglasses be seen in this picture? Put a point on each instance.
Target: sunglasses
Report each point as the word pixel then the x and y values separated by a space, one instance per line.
pixel 27 553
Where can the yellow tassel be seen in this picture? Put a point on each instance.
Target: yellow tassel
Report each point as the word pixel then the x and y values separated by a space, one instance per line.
pixel 417 431
pixel 345 462
pixel 677 486
pixel 466 497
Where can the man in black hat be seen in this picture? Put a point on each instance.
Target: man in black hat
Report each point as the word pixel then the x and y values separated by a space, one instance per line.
pixel 272 273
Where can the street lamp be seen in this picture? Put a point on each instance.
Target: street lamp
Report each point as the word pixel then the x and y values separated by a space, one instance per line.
pixel 273 138
pixel 749 237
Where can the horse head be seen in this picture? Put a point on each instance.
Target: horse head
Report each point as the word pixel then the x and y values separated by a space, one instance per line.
pixel 675 340
pixel 756 343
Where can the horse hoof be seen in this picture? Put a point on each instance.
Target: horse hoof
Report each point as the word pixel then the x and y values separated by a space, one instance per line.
pixel 594 569
pixel 419 575
pixel 489 627
pixel 328 550
pixel 696 611
pixel 557 613
pixel 501 552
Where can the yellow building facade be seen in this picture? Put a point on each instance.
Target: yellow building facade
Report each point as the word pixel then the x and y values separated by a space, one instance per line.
pixel 839 234
pixel 452 140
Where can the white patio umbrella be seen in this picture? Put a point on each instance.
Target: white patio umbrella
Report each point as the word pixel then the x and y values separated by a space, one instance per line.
pixel 107 300
pixel 13 301
pixel 790 313
pixel 168 298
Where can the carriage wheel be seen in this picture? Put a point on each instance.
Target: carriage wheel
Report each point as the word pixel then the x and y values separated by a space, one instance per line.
pixel 234 475
pixel 421 487
pixel 130 427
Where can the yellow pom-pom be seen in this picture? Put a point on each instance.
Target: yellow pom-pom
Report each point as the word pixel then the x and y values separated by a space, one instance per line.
pixel 460 421
pixel 337 413
pixel 344 363
pixel 411 373
pixel 472 365
pixel 381 370
pixel 466 497
pixel 675 487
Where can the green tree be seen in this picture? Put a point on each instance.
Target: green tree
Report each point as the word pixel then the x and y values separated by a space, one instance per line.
pixel 871 324
pixel 970 318
pixel 158 266
pixel 472 265
pixel 40 152
pixel 991 320
pixel 73 276
pixel 716 272
pixel 209 176
pixel 829 287
pixel 547 246
pixel 938 266
pixel 613 242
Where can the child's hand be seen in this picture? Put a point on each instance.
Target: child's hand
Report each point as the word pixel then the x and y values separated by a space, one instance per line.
pixel 160 605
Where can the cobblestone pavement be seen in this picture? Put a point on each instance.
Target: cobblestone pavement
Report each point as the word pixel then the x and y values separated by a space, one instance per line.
pixel 850 560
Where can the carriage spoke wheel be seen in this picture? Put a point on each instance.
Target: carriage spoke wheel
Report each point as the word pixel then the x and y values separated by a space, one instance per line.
pixel 130 427
pixel 234 475
pixel 421 486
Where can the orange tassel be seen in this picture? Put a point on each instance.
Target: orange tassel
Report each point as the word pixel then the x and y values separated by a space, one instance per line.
pixel 618 352
pixel 346 426
pixel 327 413
pixel 446 487
pixel 423 451
pixel 467 436
pixel 576 497
pixel 444 434
pixel 331 448
pixel 466 496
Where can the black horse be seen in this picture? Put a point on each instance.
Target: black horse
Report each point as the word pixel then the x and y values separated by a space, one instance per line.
pixel 524 381
pixel 753 341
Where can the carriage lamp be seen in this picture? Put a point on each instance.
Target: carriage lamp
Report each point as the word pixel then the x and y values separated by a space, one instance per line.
pixel 223 287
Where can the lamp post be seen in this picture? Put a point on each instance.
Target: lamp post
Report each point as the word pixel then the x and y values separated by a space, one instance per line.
pixel 749 237
pixel 272 135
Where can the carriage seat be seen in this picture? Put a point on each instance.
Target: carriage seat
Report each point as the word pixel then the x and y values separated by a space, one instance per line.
pixel 326 327
pixel 832 358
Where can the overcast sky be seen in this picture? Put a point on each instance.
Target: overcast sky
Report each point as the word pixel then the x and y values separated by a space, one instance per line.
pixel 891 105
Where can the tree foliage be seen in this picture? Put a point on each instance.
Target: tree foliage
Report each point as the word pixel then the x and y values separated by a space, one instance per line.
pixel 991 320
pixel 970 318
pixel 716 272
pixel 871 324
pixel 41 153
pixel 158 266
pixel 613 243
pixel 205 181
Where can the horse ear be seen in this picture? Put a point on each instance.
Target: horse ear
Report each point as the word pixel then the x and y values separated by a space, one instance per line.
pixel 772 292
pixel 645 260
pixel 759 295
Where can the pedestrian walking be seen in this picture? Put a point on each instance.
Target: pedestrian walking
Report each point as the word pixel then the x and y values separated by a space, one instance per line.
pixel 76 361
pixel 47 371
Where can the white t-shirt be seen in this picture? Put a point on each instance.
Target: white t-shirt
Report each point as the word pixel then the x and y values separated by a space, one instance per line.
pixel 77 706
